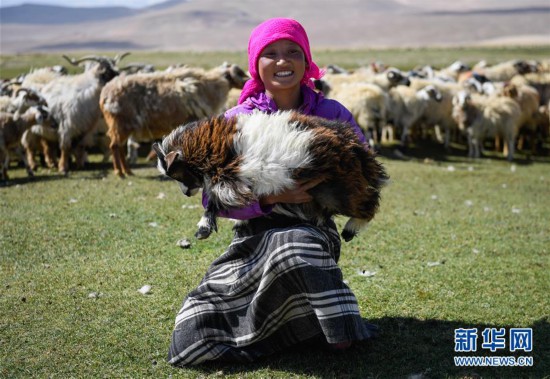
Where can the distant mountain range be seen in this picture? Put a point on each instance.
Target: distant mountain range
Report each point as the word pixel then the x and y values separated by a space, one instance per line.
pixel 225 25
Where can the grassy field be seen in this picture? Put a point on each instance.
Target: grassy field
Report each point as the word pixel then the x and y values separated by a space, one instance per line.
pixel 405 59
pixel 457 244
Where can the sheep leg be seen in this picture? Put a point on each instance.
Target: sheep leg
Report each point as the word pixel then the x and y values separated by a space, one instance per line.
pixel 207 223
pixel 119 162
pixel 352 227
pixel 497 143
pixel 116 151
pixel 4 162
pixel 510 155
pixel 132 151
pixel 23 157
pixel 63 165
pixel 124 164
pixel 48 153
pixel 30 158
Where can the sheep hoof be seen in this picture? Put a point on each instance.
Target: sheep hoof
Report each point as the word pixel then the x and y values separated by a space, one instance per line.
pixel 203 233
pixel 348 235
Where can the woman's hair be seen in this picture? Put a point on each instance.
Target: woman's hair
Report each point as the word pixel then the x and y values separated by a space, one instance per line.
pixel 270 31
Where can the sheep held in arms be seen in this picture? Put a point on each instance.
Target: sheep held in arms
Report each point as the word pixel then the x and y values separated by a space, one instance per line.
pixel 239 160
pixel 149 106
pixel 74 103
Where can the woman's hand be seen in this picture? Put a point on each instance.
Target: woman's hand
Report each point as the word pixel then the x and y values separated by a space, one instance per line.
pixel 294 195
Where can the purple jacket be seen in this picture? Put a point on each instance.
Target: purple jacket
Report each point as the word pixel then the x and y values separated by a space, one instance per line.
pixel 313 104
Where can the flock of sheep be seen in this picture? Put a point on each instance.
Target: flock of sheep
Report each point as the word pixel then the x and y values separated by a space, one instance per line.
pixel 60 117
pixel 508 101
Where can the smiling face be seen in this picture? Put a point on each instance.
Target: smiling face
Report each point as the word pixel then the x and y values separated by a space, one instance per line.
pixel 281 66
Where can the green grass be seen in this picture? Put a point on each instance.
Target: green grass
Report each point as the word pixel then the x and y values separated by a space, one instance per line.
pixel 403 58
pixel 64 238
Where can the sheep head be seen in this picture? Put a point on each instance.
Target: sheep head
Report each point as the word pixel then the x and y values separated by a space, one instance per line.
pixel 525 67
pixel 395 77
pixel 173 165
pixel 104 69
pixel 234 75
pixel 463 110
pixel 431 92
pixel 511 91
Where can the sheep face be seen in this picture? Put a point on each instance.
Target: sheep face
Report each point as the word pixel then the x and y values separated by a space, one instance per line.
pixel 234 75
pixel 106 72
pixel 174 166
pixel 431 93
pixel 396 78
pixel 524 67
pixel 463 111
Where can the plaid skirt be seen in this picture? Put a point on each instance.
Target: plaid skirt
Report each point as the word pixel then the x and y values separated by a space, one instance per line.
pixel 277 285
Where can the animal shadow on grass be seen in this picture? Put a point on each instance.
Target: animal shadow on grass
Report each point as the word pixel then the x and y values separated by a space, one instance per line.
pixel 423 151
pixel 405 347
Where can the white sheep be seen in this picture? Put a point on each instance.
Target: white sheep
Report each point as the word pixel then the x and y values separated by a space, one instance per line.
pixel 505 71
pixel 387 79
pixel 367 104
pixel 12 127
pixel 528 99
pixel 149 106
pixel 364 93
pixel 540 81
pixel 42 138
pixel 407 106
pixel 487 116
pixel 438 114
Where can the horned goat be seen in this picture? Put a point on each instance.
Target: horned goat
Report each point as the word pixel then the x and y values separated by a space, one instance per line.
pixel 239 160
pixel 149 106
pixel 74 103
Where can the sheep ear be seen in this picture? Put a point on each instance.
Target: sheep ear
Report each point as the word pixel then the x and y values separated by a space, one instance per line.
pixel 170 158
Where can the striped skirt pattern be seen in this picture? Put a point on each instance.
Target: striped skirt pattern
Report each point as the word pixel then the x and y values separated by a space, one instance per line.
pixel 270 290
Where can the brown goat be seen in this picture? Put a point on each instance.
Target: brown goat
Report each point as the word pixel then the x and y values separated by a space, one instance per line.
pixel 239 160
pixel 148 106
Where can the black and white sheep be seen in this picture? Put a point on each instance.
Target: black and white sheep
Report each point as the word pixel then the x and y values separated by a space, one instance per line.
pixel 239 160
pixel 149 106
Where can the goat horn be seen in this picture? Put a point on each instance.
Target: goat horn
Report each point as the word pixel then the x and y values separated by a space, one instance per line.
pixel 76 62
pixel 118 58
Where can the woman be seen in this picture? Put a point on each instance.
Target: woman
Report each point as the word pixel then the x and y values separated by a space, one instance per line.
pixel 278 283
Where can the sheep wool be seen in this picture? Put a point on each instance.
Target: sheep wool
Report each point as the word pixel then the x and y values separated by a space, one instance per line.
pixel 241 159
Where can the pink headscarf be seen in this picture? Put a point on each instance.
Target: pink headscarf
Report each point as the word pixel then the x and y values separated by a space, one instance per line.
pixel 266 33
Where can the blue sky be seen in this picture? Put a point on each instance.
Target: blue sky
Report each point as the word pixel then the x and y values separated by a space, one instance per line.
pixel 85 3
